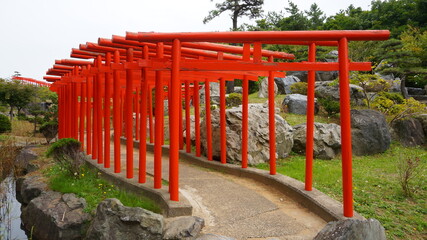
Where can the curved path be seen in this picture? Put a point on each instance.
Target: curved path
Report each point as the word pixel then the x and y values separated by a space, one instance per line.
pixel 238 207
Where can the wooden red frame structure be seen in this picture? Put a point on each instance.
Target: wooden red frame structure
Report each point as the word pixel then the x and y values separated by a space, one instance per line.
pixel 31 81
pixel 124 71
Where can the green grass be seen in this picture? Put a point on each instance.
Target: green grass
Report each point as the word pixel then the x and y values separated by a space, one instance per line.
pixel 91 187
pixel 376 188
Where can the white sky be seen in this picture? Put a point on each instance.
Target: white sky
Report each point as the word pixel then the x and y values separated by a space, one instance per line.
pixel 33 33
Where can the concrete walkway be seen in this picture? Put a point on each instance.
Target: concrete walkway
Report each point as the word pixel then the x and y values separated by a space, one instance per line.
pixel 237 207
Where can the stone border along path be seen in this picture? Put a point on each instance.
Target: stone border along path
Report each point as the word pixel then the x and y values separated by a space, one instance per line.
pixel 234 202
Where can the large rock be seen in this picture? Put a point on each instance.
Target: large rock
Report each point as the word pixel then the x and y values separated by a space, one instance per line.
pixel 409 132
pixel 115 221
pixel 258 142
pixel 192 129
pixel 370 133
pixel 327 140
pixel 23 160
pixel 210 236
pixel 284 84
pixel 352 229
pixel 183 228
pixel 214 93
pixel 328 90
pixel 263 89
pixel 423 120
pixel 320 76
pixel 55 216
pixel 29 187
pixel 415 91
pixel 297 104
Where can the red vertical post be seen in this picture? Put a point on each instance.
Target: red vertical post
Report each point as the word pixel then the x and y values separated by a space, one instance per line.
pixel 60 112
pixel 181 136
pixel 95 114
pixel 158 139
pixel 245 116
pixel 83 104
pixel 73 109
pixel 89 113
pixel 245 100
pixel 272 121
pixel 137 112
pixel 196 101
pixel 69 112
pixel 107 110
pixel 99 111
pixel 143 122
pixel 116 114
pixel 311 79
pixel 208 120
pixel 187 118
pixel 150 113
pixel 128 116
pixel 345 119
pixel 222 120
pixel 78 116
pixel 174 115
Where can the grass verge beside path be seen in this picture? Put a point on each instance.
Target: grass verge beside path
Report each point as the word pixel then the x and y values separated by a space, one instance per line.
pixel 376 188
pixel 88 185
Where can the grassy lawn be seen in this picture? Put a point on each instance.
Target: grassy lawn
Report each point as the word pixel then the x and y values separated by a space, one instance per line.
pixel 91 187
pixel 377 191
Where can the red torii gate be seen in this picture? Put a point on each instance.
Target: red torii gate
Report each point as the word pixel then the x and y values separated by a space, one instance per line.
pixel 31 81
pixel 126 68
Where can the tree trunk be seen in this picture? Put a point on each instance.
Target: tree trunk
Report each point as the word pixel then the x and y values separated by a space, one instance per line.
pixel 11 113
pixel 403 89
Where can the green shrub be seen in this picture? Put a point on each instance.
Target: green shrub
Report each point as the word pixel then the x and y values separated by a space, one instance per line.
pixel 22 117
pixel 67 153
pixel 299 87
pixel 234 100
pixel 331 106
pixel 49 130
pixel 5 125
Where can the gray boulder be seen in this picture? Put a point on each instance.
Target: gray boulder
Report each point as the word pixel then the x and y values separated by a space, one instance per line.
pixel 328 90
pixel 320 76
pixel 415 91
pixel 56 216
pixel 23 160
pixel 326 75
pixel 370 133
pixel 214 93
pixel 263 89
pixel 327 140
pixel 183 228
pixel 210 236
pixel 284 84
pixel 115 221
pixel 409 132
pixel 423 120
pixel 352 229
pixel 395 85
pixel 238 89
pixel 258 142
pixel 29 187
pixel 297 104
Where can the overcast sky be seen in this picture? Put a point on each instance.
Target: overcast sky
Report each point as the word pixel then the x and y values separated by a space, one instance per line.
pixel 33 33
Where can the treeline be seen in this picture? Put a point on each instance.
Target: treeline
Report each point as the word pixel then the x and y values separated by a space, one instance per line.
pixel 394 15
pixel 404 55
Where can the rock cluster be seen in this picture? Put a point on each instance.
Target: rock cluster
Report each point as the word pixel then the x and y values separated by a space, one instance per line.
pixel 327 140
pixel 263 89
pixel 258 142
pixel 297 104
pixel 352 229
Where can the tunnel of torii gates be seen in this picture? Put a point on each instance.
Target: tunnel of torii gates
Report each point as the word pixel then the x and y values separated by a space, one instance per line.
pixel 119 80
